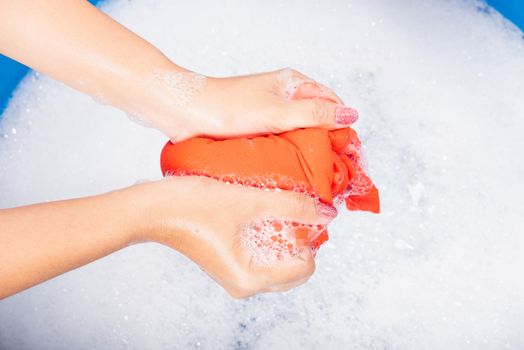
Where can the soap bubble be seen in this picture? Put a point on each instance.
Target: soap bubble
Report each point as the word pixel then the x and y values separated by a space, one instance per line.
pixel 439 268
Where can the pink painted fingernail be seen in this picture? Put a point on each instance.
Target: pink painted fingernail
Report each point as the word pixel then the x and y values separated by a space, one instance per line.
pixel 346 115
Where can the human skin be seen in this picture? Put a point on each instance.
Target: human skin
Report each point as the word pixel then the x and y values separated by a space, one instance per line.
pixel 44 240
pixel 112 64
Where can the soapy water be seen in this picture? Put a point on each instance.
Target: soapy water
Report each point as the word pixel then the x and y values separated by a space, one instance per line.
pixel 274 183
pixel 289 82
pixel 441 104
pixel 350 182
pixel 140 120
pixel 268 182
pixel 183 86
pixel 271 240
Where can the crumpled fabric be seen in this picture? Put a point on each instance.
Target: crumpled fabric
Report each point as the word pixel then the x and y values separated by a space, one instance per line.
pixel 320 163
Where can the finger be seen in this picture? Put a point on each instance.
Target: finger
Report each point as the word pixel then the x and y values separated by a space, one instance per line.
pixel 289 80
pixel 142 181
pixel 326 92
pixel 296 207
pixel 297 85
pixel 309 90
pixel 289 272
pixel 179 135
pixel 318 113
pixel 295 74
pixel 285 287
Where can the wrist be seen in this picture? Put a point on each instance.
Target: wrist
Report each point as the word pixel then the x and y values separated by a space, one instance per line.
pixel 129 209
pixel 158 211
pixel 148 97
pixel 169 99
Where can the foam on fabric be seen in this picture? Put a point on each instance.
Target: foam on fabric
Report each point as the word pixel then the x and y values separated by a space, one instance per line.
pixel 441 100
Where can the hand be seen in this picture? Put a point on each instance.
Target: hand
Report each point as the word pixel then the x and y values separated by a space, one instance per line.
pixel 129 73
pixel 245 105
pixel 203 219
pixel 200 217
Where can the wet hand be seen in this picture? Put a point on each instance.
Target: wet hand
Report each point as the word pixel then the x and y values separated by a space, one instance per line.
pixel 246 105
pixel 205 220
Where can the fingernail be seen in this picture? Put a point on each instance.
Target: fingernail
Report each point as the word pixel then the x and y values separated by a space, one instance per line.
pixel 327 211
pixel 346 115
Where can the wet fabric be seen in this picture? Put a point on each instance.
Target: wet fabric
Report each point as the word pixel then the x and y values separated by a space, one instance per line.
pixel 323 164
pixel 320 163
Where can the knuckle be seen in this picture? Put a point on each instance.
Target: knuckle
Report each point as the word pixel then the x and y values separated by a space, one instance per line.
pixel 283 74
pixel 321 112
pixel 305 272
pixel 290 73
pixel 245 286
pixel 286 288
pixel 303 206
pixel 297 204
pixel 288 70
pixel 295 72
pixel 302 273
pixel 309 268
pixel 238 294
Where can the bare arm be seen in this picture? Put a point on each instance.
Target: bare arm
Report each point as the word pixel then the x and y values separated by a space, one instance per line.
pixel 41 241
pixel 77 44
pixel 74 42
pixel 44 240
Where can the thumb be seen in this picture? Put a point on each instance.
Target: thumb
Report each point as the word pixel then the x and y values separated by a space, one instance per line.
pixel 318 112
pixel 296 207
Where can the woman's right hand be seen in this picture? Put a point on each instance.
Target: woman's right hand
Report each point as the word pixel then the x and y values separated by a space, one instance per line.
pixel 203 219
pixel 189 105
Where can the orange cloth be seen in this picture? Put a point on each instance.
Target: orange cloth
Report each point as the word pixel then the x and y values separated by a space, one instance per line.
pixel 315 161
pixel 321 163
pixel 318 162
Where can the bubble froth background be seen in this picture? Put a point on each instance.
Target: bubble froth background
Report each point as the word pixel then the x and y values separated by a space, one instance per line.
pixel 440 90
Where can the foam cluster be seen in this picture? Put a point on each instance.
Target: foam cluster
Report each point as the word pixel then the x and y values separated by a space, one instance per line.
pixel 438 86
pixel 182 86
pixel 271 240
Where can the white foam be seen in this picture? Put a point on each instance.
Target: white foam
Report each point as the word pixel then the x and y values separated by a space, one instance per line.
pixel 271 240
pixel 289 82
pixel 439 91
pixel 182 86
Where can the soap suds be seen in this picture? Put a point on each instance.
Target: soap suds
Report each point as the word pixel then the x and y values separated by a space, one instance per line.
pixel 182 86
pixel 439 268
pixel 271 240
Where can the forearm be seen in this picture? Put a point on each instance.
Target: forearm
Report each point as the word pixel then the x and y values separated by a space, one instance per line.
pixel 73 42
pixel 38 242
pixel 200 217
